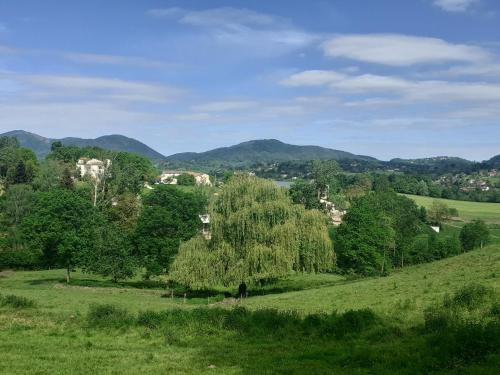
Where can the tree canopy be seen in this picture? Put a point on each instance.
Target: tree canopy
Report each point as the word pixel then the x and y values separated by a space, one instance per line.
pixel 258 234
pixel 169 215
pixel 61 227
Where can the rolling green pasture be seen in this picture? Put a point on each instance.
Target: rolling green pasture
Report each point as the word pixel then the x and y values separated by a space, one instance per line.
pixel 489 212
pixel 198 336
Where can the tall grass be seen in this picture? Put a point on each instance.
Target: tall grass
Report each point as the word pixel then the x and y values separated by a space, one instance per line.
pixel 16 302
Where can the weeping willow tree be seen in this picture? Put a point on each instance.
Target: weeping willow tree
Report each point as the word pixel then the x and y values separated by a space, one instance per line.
pixel 258 234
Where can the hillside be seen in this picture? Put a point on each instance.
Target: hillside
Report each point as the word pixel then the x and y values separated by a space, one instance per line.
pixel 494 162
pixel 489 212
pixel 41 145
pixel 264 151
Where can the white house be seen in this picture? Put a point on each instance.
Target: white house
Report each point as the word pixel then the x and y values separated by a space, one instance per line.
pixel 205 231
pixel 170 177
pixel 92 167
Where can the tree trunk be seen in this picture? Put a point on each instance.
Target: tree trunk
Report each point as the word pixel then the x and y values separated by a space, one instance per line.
pixel 68 276
pixel 95 194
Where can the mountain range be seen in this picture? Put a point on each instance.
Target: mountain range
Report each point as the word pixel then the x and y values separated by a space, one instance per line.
pixel 245 153
pixel 41 145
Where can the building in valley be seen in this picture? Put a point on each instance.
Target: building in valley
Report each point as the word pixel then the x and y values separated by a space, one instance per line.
pixel 93 167
pixel 170 177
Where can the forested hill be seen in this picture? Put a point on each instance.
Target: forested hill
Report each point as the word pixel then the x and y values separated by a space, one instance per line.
pixel 264 151
pixel 41 145
pixel 494 162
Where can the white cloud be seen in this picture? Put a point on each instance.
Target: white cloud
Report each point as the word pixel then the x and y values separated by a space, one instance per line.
pixel 244 29
pixel 92 58
pixel 487 70
pixel 232 18
pixel 224 106
pixel 455 5
pixel 93 87
pixel 313 78
pixel 406 90
pixel 228 17
pixel 400 50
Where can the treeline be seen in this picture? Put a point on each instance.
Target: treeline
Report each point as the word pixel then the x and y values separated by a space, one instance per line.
pixel 432 178
pixel 52 217
pixel 382 229
pixel 116 226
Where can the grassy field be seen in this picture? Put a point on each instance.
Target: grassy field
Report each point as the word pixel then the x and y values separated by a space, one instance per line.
pixel 189 337
pixel 489 212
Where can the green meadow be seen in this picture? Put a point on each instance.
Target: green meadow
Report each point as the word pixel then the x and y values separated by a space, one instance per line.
pixel 489 212
pixel 304 324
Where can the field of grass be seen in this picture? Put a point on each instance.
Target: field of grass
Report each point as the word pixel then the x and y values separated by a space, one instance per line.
pixel 489 212
pixel 55 336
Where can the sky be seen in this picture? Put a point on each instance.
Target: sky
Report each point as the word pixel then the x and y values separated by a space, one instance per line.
pixel 385 78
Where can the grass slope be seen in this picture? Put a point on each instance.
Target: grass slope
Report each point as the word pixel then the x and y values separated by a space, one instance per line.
pixel 415 287
pixel 489 212
pixel 62 334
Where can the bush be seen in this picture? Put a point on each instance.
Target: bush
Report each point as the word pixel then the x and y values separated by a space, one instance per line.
pixel 16 302
pixel 470 297
pixel 108 316
pixel 354 321
pixel 24 260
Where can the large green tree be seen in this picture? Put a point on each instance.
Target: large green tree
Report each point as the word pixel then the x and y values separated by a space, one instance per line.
pixel 17 165
pixel 112 254
pixel 257 234
pixel 379 227
pixel 474 234
pixel 169 215
pixel 61 226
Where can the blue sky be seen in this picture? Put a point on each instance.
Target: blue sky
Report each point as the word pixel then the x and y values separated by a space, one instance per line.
pixel 386 78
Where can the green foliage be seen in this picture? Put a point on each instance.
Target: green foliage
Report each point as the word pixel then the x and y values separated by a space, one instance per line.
pixel 128 171
pixel 186 179
pixel 438 212
pixel 17 165
pixel 305 193
pixel 108 316
pixel 111 255
pixel 257 235
pixel 474 234
pixel 61 226
pixel 16 302
pixel 49 175
pixel 325 176
pixel 169 216
pixel 377 230
pixel 124 211
pixel 18 201
pixel 19 259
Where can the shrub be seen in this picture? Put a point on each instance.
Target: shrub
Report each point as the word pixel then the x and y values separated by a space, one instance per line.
pixel 107 315
pixel 150 319
pixel 17 302
pixel 470 296
pixel 354 321
pixel 25 260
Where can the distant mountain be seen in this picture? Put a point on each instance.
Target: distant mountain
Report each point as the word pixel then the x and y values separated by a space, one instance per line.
pixel 494 162
pixel 263 151
pixel 437 164
pixel 41 145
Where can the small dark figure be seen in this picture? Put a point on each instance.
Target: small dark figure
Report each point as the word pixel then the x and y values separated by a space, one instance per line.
pixel 242 290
